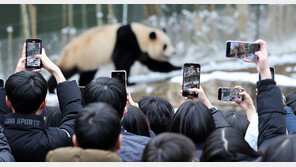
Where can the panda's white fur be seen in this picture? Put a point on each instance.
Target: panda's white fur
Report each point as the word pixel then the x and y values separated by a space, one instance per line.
pixel 94 47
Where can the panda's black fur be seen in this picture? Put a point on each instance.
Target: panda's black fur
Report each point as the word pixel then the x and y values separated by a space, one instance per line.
pixel 125 53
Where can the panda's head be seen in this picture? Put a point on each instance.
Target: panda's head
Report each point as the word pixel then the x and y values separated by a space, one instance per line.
pixel 159 45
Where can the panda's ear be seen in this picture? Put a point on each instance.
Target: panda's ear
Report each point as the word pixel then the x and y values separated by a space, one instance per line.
pixel 152 35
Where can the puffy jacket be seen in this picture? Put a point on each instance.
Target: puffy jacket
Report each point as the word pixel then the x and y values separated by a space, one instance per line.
pixel 77 154
pixel 27 135
pixel 271 113
pixel 132 147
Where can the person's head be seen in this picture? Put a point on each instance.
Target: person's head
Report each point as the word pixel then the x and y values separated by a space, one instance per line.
pixel 26 92
pixel 237 120
pixel 108 90
pixel 169 147
pixel 98 127
pixel 158 111
pixel 291 101
pixel 194 120
pixel 227 145
pixel 282 149
pixel 135 122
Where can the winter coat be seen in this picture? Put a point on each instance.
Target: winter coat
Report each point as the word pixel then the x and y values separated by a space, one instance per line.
pixel 5 151
pixel 132 147
pixel 26 133
pixel 271 113
pixel 77 154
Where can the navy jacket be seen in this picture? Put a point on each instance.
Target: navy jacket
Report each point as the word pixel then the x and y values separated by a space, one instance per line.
pixel 27 135
pixel 132 147
pixel 271 113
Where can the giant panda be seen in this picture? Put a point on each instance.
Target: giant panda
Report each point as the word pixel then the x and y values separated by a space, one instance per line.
pixel 117 43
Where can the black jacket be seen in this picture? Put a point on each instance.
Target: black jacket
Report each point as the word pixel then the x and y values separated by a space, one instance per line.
pixel 5 151
pixel 271 112
pixel 27 135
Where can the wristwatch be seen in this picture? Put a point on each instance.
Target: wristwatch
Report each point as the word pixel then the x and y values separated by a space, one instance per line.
pixel 213 109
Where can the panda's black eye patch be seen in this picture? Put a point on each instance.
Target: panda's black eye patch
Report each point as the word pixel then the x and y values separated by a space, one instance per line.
pixel 164 46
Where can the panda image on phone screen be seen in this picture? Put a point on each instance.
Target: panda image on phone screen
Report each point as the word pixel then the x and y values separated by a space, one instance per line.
pixel 33 49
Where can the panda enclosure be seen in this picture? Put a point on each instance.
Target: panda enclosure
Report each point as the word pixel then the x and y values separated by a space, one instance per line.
pixel 198 33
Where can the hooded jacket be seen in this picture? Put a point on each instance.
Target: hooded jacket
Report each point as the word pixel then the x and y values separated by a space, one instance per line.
pixel 77 154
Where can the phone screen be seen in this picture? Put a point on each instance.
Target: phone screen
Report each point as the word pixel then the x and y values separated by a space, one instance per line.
pixel 33 48
pixel 235 49
pixel 191 78
pixel 120 75
pixel 228 94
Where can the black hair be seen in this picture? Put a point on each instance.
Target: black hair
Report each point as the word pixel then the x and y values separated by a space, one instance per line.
pixel 26 91
pixel 108 90
pixel 158 111
pixel 135 122
pixel 194 120
pixel 291 101
pixel 237 120
pixel 227 145
pixel 282 149
pixel 98 127
pixel 169 147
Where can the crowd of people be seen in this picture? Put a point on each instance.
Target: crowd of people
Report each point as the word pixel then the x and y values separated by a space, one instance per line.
pixel 103 123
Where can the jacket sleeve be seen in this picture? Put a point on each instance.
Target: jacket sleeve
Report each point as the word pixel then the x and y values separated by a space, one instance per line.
pixel 271 111
pixel 70 104
pixel 252 132
pixel 290 120
pixel 219 119
pixel 5 151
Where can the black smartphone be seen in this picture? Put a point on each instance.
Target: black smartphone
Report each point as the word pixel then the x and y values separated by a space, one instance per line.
pixel 81 88
pixel 191 79
pixel 120 75
pixel 1 83
pixel 229 94
pixel 33 48
pixel 272 70
pixel 241 49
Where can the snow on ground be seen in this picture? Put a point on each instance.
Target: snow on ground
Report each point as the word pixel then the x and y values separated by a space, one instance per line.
pixel 281 80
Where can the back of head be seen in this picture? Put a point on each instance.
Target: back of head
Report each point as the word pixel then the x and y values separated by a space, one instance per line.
pixel 227 145
pixel 98 127
pixel 26 91
pixel 135 122
pixel 158 111
pixel 291 101
pixel 237 120
pixel 169 147
pixel 281 149
pixel 108 90
pixel 194 120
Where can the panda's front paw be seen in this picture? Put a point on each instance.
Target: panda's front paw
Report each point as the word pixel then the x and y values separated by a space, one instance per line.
pixel 131 83
pixel 177 68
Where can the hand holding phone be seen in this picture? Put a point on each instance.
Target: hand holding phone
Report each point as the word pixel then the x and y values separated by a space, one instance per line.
pixel 191 79
pixel 201 96
pixel 33 48
pixel 229 94
pixel 242 50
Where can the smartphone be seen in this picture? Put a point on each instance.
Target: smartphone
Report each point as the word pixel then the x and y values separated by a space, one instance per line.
pixel 33 48
pixel 241 49
pixel 1 83
pixel 272 70
pixel 191 79
pixel 120 75
pixel 81 88
pixel 229 94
